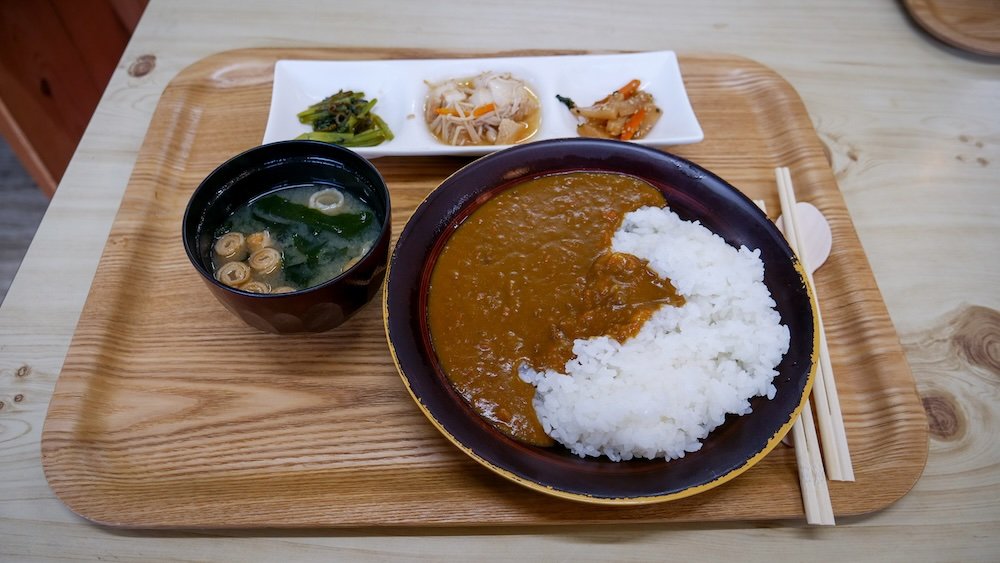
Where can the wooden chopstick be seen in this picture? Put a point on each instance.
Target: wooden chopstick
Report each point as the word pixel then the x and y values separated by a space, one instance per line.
pixel 812 477
pixel 831 420
pixel 819 396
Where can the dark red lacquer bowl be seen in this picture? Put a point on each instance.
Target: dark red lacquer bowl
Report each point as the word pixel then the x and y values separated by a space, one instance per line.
pixel 266 168
pixel 694 194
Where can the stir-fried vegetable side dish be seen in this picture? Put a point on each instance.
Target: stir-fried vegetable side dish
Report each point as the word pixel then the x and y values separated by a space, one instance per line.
pixel 292 239
pixel 625 114
pixel 345 118
pixel 488 109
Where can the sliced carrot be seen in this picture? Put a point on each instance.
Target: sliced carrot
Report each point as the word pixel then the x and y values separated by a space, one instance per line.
pixel 631 88
pixel 632 125
pixel 483 109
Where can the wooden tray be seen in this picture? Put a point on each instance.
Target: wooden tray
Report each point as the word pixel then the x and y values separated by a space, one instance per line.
pixel 971 25
pixel 169 412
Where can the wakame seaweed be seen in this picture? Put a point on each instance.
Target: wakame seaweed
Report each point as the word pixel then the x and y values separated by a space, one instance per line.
pixel 278 211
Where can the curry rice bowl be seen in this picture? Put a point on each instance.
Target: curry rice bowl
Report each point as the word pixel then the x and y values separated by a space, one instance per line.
pixel 660 393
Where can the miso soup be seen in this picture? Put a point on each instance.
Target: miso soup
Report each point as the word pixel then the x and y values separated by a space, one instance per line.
pixel 293 238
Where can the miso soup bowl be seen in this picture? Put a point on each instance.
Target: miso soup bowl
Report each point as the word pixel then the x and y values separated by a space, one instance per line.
pixel 274 166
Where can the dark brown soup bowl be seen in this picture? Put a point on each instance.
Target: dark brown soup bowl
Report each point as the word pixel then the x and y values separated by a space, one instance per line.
pixel 693 193
pixel 264 169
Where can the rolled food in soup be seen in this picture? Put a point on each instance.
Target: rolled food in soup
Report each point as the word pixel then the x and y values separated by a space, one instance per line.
pixel 293 238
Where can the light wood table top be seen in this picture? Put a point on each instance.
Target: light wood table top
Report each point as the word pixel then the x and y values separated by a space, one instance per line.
pixel 913 130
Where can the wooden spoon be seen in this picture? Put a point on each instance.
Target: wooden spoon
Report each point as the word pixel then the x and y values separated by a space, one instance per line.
pixel 817 239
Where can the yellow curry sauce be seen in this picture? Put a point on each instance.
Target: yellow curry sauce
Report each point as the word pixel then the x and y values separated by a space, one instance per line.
pixel 525 275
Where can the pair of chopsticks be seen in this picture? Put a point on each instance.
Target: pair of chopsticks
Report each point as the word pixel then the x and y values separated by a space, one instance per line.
pixel 812 477
pixel 835 452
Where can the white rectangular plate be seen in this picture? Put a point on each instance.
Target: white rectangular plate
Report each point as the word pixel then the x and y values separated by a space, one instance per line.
pixel 400 87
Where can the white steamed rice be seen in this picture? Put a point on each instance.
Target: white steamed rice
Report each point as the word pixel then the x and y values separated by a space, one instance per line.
pixel 660 393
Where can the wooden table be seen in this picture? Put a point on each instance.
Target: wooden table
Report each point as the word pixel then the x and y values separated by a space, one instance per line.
pixel 913 132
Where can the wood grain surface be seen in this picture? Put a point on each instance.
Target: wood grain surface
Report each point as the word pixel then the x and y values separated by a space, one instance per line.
pixel 171 413
pixel 972 25
pixel 55 62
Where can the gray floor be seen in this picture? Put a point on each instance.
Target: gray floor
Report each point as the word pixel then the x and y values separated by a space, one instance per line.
pixel 22 205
